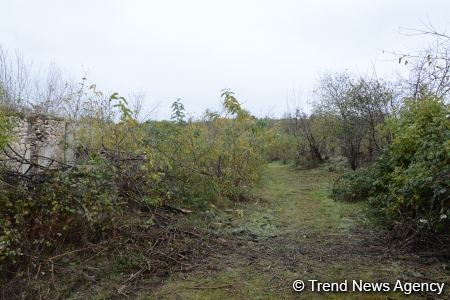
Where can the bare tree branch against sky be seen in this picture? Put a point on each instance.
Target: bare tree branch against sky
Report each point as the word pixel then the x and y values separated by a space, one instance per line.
pixel 192 49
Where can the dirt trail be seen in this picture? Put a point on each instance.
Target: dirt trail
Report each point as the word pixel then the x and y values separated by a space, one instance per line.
pixel 294 231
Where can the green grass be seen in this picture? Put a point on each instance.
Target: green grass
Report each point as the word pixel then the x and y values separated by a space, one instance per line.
pixel 302 198
pixel 294 231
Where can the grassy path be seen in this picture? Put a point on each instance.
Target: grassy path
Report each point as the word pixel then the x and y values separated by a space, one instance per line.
pixel 294 231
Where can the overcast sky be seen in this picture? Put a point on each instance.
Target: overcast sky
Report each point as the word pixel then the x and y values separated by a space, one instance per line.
pixel 262 50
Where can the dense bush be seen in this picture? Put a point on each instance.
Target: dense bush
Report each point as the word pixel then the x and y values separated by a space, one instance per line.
pixel 281 147
pixel 65 206
pixel 220 155
pixel 123 163
pixel 52 211
pixel 353 186
pixel 409 185
pixel 49 210
pixel 310 138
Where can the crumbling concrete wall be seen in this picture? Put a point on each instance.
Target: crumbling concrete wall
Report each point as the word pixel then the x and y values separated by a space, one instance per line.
pixel 39 142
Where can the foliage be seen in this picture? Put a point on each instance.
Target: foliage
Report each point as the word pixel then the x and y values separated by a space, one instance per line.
pixel 281 145
pixel 67 205
pixel 353 186
pixel 110 127
pixel 220 155
pixel 5 127
pixel 42 212
pixel 125 166
pixel 313 143
pixel 408 186
pixel 178 114
pixel 356 109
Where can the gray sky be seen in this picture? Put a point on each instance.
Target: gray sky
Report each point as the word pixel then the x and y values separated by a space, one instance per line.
pixel 262 50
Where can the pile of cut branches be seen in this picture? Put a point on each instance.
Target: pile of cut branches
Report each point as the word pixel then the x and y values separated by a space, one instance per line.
pixel 136 252
pixel 93 224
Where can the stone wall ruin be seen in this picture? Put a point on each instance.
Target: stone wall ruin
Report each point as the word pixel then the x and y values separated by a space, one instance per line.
pixel 38 142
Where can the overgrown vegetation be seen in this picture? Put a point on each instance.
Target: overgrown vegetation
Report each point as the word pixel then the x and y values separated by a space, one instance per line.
pixel 394 138
pixel 128 174
pixel 132 177
pixel 408 186
pixel 220 155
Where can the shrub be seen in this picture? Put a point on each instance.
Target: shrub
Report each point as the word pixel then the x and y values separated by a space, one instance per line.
pixel 65 205
pixel 408 186
pixel 68 207
pixel 218 156
pixel 353 186
pixel 281 146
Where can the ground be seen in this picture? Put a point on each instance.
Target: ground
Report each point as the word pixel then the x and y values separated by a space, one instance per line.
pixel 293 230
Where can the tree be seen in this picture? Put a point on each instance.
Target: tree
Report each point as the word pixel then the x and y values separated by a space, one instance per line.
pixel 335 100
pixel 25 90
pixel 408 186
pixel 356 109
pixel 305 130
pixel 429 68
pixel 372 99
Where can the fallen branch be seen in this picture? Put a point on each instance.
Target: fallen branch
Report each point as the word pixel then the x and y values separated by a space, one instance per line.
pixel 210 287
pixel 68 253
pixel 182 210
